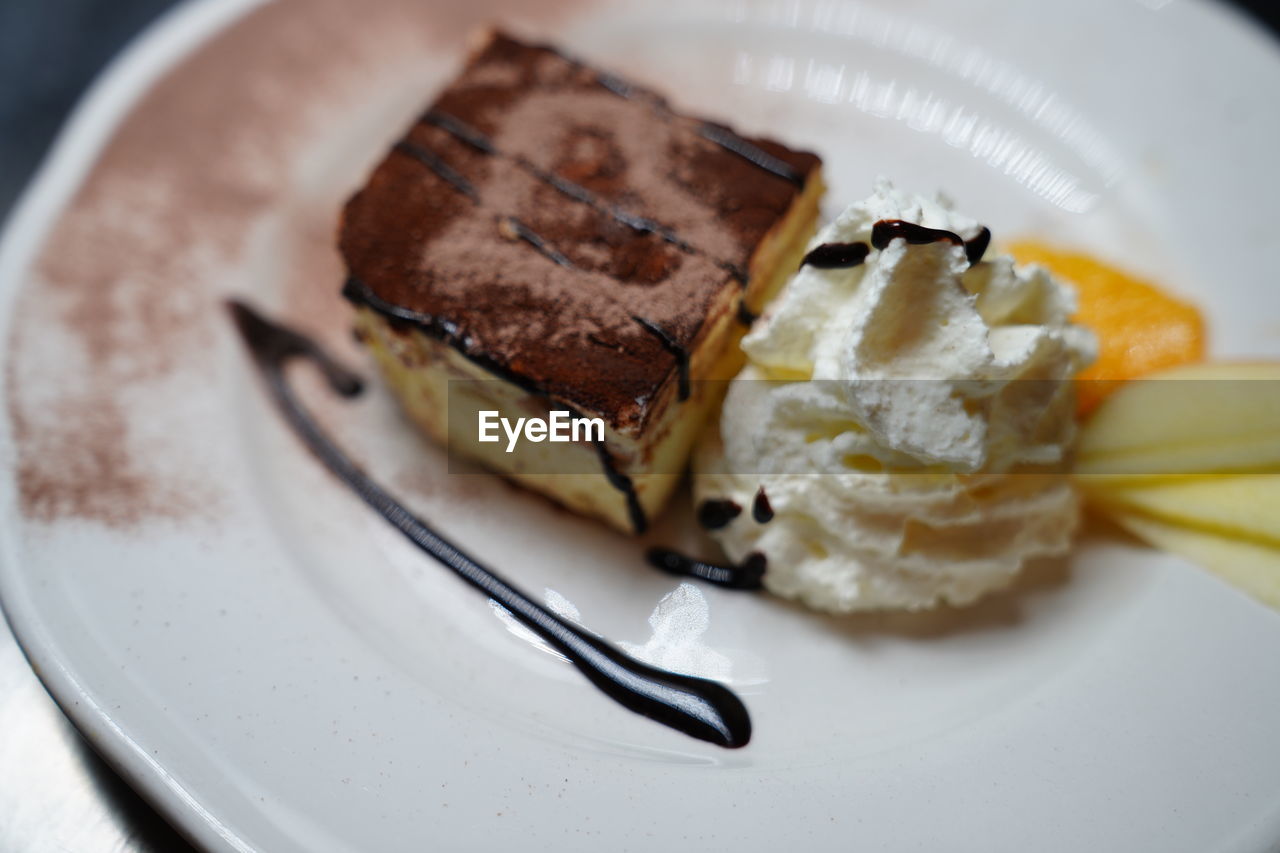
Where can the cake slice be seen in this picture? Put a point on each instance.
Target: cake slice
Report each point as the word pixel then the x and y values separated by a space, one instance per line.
pixel 548 237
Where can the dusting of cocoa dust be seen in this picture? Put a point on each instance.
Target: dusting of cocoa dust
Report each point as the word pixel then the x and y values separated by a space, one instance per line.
pixel 97 482
pixel 133 274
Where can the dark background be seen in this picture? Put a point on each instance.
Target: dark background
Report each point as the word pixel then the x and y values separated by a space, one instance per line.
pixel 50 50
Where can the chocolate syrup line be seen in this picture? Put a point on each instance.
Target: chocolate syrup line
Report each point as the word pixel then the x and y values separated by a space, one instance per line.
pixel 621 482
pixel 433 162
pixel 359 293
pixel 356 291
pixel 722 136
pixel 460 129
pixel 452 177
pixel 750 152
pixel 527 234
pixel 748 575
pixel 673 347
pixel 698 707
pixel 620 87
pixel 469 135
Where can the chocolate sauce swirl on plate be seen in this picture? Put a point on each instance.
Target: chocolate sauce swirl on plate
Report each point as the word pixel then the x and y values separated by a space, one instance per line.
pixel 698 707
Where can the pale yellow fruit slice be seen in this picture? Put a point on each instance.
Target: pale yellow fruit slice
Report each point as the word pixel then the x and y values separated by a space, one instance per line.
pixel 1245 506
pixel 1250 566
pixel 1195 419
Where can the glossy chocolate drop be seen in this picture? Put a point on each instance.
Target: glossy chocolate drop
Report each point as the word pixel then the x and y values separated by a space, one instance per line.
pixel 761 510
pixel 698 707
pixel 716 513
pixel 975 248
pixel 831 256
pixel 748 575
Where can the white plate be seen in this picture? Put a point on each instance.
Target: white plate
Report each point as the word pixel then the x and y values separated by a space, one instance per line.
pixel 277 671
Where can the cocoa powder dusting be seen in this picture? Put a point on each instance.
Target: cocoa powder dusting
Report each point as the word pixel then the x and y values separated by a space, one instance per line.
pixel 123 306
pixel 98 482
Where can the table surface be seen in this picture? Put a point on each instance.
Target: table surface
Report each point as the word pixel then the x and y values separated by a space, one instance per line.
pixel 55 793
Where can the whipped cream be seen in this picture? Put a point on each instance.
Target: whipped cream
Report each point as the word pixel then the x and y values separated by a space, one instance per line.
pixel 906 418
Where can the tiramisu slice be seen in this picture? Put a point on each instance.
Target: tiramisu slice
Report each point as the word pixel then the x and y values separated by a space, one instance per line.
pixel 571 238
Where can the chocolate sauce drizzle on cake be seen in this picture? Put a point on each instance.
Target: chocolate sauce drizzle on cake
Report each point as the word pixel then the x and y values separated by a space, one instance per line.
pixel 621 482
pixel 720 135
pixel 715 513
pixel 621 87
pixel 831 256
pixel 460 130
pixel 752 153
pixel 433 162
pixel 516 229
pixel 761 509
pixel 359 293
pixel 510 226
pixel 681 354
pixel 467 134
pixel 698 707
pixel 747 575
